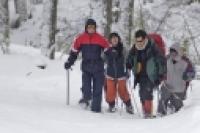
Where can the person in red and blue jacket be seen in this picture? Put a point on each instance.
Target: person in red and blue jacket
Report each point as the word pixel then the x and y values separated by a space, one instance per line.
pixel 91 44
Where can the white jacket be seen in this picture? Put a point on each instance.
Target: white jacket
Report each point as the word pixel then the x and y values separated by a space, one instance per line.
pixel 175 72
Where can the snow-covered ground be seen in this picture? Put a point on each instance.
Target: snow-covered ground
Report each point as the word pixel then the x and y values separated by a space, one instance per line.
pixel 32 100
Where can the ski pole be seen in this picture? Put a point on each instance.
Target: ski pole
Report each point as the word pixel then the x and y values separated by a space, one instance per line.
pixel 159 95
pixel 135 103
pixel 133 97
pixel 191 87
pixel 67 88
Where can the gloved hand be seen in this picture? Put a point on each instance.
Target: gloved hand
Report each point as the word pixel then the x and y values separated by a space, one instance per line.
pixel 157 82
pixel 67 65
pixel 188 76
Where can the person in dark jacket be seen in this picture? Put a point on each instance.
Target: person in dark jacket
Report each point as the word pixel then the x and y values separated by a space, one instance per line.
pixel 148 66
pixel 116 74
pixel 91 44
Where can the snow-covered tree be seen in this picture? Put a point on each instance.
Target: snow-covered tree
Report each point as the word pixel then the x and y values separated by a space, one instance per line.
pixel 49 27
pixel 124 12
pixel 4 28
pixel 36 1
pixel 21 9
pixel 178 21
pixel 108 17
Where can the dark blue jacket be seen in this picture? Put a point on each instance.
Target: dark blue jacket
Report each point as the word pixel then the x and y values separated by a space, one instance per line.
pixel 116 62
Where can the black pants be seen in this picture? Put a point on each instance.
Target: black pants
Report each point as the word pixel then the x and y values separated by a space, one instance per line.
pixel 168 98
pixel 92 85
pixel 146 89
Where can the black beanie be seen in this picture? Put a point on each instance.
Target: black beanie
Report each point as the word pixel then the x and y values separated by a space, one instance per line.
pixel 90 22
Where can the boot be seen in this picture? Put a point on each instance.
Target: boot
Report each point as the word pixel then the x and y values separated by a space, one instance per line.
pixel 129 107
pixel 112 108
pixel 147 108
pixel 85 103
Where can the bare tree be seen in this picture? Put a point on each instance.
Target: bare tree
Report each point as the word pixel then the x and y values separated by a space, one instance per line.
pixel 116 12
pixel 130 21
pixel 108 16
pixel 192 38
pixel 53 27
pixel 49 28
pixel 142 23
pixel 4 29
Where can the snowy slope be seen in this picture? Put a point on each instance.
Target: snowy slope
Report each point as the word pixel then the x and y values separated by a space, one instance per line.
pixel 33 101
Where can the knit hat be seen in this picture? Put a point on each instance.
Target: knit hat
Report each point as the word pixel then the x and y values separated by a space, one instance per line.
pixel 90 22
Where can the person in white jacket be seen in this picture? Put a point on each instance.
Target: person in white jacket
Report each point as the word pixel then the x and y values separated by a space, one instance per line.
pixel 173 88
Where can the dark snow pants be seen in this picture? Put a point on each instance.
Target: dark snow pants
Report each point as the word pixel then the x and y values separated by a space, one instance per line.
pixel 169 99
pixel 92 85
pixel 146 89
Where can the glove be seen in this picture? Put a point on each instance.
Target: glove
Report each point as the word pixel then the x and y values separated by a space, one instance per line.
pixel 187 76
pixel 157 82
pixel 67 65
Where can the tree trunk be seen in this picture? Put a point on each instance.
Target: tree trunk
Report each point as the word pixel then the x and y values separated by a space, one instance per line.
pixel 53 27
pixel 108 16
pixel 131 20
pixel 142 23
pixel 4 29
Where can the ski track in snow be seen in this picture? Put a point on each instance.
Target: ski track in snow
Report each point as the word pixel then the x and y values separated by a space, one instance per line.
pixel 33 101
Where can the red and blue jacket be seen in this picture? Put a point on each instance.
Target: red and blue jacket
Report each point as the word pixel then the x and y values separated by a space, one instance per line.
pixel 91 46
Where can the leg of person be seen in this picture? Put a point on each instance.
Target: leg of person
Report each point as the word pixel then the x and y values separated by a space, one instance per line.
pixel 111 94
pixel 164 98
pixel 124 95
pixel 98 82
pixel 146 96
pixel 86 88
pixel 185 91
pixel 176 101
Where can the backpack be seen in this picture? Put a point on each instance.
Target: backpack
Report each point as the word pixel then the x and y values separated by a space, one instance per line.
pixel 158 41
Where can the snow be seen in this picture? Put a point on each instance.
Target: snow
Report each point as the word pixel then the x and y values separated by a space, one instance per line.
pixel 33 100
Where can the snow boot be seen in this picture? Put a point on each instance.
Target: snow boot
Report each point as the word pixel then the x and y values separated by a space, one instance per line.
pixel 112 108
pixel 84 103
pixel 129 107
pixel 147 109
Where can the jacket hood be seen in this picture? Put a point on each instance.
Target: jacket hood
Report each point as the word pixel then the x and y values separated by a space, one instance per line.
pixel 176 46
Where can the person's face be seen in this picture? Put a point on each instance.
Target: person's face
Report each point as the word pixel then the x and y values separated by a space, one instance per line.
pixel 91 29
pixel 114 41
pixel 173 53
pixel 140 42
